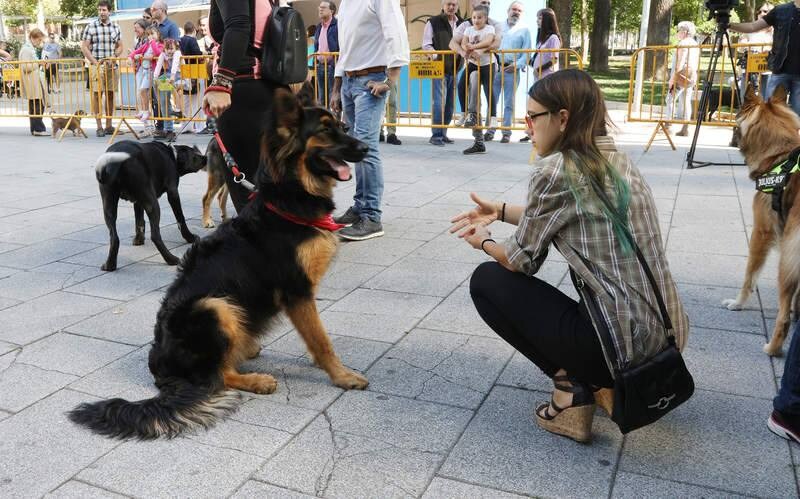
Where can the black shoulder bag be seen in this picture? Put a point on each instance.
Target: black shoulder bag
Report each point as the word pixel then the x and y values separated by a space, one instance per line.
pixel 284 47
pixel 644 393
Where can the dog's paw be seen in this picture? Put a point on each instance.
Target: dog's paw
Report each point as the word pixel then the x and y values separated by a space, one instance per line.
pixel 732 304
pixel 172 260
pixel 191 238
pixel 208 224
pixel 264 384
pixel 772 351
pixel 350 380
pixel 138 240
pixel 108 267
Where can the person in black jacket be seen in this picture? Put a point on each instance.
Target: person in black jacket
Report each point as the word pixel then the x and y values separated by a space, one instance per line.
pixel 190 50
pixel 436 36
pixel 237 96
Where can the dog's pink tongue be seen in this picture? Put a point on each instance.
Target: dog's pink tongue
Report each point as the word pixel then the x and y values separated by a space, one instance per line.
pixel 342 169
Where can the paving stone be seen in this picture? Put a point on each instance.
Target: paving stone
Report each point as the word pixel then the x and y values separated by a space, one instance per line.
pixel 704 306
pixel 21 384
pixel 43 253
pixel 440 367
pixel 696 268
pixel 7 347
pixel 378 251
pixel 41 448
pixel 72 354
pixel 5 247
pixel 131 322
pixel 343 277
pixel 520 372
pixel 264 412
pixel 730 362
pixel 384 328
pixel 372 301
pixel 714 440
pixel 720 243
pixel 8 303
pixel 27 285
pixel 421 276
pixel 439 211
pixel 128 377
pixel 7 271
pixel 300 383
pixel 254 488
pixel 632 486
pixel 442 488
pixel 79 490
pixel 355 353
pixel 42 231
pixel 40 317
pixel 127 255
pixel 452 249
pixel 128 282
pixel 503 439
pixel 160 468
pixel 368 445
pixel 99 233
pixel 457 314
pixel 256 440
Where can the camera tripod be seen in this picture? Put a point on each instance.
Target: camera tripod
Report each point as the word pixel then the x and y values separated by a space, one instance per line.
pixel 720 37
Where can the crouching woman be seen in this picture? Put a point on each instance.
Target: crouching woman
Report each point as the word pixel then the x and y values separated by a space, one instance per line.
pixel 567 122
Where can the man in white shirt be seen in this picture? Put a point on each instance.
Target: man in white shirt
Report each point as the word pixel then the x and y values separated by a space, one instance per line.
pixel 464 82
pixel 373 46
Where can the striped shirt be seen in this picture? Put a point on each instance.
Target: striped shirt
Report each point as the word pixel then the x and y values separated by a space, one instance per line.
pixel 102 38
pixel 584 236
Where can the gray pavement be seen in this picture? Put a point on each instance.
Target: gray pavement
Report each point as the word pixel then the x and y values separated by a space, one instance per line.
pixel 448 412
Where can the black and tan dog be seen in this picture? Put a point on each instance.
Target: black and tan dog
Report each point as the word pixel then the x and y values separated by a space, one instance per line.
pixel 232 283
pixel 141 173
pixel 72 123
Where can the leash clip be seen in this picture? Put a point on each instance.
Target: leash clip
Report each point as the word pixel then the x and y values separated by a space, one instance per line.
pixel 239 178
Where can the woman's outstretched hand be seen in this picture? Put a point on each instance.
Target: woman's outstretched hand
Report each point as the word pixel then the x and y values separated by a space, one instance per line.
pixel 483 214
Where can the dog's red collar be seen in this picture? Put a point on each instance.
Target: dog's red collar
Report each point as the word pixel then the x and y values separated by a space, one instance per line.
pixel 325 222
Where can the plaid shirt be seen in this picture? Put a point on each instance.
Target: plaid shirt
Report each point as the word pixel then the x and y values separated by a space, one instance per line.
pixel 103 38
pixel 584 236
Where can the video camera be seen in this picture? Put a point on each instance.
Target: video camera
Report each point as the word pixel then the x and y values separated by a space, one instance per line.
pixel 720 10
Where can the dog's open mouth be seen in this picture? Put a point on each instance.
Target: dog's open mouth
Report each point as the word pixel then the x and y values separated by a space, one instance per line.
pixel 341 168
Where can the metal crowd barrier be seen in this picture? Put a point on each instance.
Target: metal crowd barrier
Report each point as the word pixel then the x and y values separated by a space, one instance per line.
pixel 411 104
pixel 657 104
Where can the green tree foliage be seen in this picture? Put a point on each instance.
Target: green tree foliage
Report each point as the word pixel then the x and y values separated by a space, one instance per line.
pixel 84 8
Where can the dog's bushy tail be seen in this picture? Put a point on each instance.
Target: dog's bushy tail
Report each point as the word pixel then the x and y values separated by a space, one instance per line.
pixel 179 407
pixel 107 166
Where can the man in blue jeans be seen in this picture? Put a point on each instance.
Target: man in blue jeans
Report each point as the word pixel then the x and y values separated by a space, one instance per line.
pixel 785 418
pixel 784 58
pixel 515 37
pixel 373 46
pixel 436 36
pixel 326 39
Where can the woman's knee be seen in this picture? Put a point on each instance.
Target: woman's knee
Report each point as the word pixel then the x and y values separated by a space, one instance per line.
pixel 484 278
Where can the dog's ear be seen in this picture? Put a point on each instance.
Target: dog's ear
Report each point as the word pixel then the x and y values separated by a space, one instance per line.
pixel 750 96
pixel 778 96
pixel 288 113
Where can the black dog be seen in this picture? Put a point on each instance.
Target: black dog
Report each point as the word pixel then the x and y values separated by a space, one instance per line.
pixel 141 173
pixel 715 101
pixel 232 283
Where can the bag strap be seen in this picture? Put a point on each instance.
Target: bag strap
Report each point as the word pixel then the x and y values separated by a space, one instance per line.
pixel 661 306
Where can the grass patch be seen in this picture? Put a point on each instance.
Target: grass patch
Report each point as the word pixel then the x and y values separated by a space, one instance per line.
pixel 616 80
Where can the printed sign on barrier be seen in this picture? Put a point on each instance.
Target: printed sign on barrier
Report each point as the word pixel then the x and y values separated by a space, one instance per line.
pixel 420 69
pixel 757 63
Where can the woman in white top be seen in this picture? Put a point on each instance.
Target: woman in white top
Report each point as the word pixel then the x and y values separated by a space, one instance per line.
pixel 683 77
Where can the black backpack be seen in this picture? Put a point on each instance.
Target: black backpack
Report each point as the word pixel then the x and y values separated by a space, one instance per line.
pixel 284 48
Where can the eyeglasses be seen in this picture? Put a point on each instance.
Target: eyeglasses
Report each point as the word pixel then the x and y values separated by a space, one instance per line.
pixel 531 117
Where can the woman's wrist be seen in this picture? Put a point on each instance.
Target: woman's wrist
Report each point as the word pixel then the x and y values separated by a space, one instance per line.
pixel 483 244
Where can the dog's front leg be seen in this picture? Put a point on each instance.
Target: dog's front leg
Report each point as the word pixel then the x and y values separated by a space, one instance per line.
pixel 138 237
pixel 110 201
pixel 175 201
pixel 154 214
pixel 305 318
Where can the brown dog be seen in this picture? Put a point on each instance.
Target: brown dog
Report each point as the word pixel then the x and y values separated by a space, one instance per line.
pixel 72 123
pixel 217 169
pixel 769 133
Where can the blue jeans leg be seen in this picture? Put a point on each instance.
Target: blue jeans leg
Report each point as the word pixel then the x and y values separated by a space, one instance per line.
pixel 509 97
pixel 364 113
pixel 790 83
pixel 442 112
pixel 324 84
pixel 166 108
pixel 788 399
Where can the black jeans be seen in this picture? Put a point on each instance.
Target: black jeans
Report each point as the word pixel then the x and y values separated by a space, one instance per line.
pixel 549 328
pixel 486 75
pixel 240 127
pixel 35 106
pixel 788 399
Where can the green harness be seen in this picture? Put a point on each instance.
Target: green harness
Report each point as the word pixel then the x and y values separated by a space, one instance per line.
pixel 774 181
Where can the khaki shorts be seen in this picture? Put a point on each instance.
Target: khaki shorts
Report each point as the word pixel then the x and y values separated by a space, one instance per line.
pixel 103 77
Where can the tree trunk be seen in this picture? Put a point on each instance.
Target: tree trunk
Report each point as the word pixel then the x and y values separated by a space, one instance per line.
pixel 563 10
pixel 750 10
pixel 584 29
pixel 658 31
pixel 598 47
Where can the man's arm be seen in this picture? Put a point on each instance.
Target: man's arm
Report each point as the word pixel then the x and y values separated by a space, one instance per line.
pixel 395 36
pixel 118 48
pixel 455 43
pixel 427 39
pixel 86 48
pixel 749 27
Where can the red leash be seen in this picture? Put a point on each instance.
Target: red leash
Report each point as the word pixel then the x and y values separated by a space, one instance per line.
pixel 326 222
